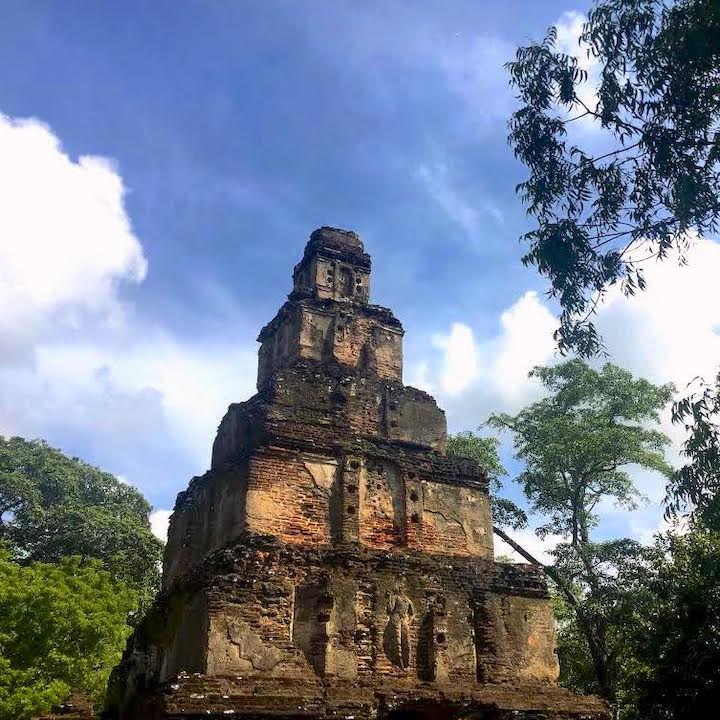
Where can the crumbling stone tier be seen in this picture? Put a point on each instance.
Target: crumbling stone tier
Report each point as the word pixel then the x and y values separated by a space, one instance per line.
pixel 334 562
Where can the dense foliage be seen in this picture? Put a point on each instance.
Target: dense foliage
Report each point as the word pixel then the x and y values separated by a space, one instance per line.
pixel 696 487
pixel 78 562
pixel 62 628
pixel 665 604
pixel 648 179
pixel 53 506
pixel 675 641
pixel 643 183
pixel 576 445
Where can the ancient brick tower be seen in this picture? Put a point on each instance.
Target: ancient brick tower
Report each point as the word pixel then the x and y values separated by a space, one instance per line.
pixel 334 562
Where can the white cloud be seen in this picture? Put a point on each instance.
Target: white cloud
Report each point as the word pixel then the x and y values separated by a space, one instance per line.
pixel 460 364
pixel 539 548
pixel 148 384
pixel 159 522
pixel 669 333
pixel 475 376
pixel 67 241
pixel 75 368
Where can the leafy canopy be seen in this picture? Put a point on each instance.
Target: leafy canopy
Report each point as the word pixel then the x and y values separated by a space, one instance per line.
pixel 648 179
pixel 660 606
pixel 592 638
pixel 674 635
pixel 577 443
pixel 53 506
pixel 696 486
pixel 62 628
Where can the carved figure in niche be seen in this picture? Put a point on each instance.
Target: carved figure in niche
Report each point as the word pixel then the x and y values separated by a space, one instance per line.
pixel 396 639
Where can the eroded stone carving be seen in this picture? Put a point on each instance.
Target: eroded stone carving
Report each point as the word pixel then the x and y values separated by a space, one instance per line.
pixel 396 639
pixel 236 646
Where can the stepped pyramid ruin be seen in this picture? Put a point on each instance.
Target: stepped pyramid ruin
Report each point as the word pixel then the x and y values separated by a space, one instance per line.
pixel 334 562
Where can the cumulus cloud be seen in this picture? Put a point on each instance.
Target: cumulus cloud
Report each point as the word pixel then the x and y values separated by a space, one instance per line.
pixel 75 367
pixel 474 376
pixel 669 333
pixel 460 363
pixel 67 242
pixel 146 391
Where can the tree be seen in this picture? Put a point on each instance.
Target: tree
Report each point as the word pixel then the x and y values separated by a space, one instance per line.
pixel 62 628
pixel 484 451
pixel 648 185
pixel 673 635
pixel 576 445
pixel 663 603
pixel 53 506
pixel 695 488
pixel 602 214
pixel 611 600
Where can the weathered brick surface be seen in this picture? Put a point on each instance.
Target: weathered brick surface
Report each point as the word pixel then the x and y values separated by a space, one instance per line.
pixel 334 562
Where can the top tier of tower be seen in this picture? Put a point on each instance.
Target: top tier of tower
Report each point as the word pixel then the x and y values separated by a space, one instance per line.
pixel 327 317
pixel 334 266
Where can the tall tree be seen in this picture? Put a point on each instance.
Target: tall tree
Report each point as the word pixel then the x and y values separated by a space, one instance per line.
pixel 53 506
pixel 646 183
pixel 576 445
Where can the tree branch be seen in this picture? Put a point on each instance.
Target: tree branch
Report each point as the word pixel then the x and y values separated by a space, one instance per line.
pixel 549 570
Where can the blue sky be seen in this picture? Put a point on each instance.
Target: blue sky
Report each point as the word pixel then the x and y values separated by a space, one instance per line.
pixel 223 133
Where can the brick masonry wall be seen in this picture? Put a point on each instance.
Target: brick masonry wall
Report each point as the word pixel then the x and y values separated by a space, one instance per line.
pixel 359 618
pixel 300 496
